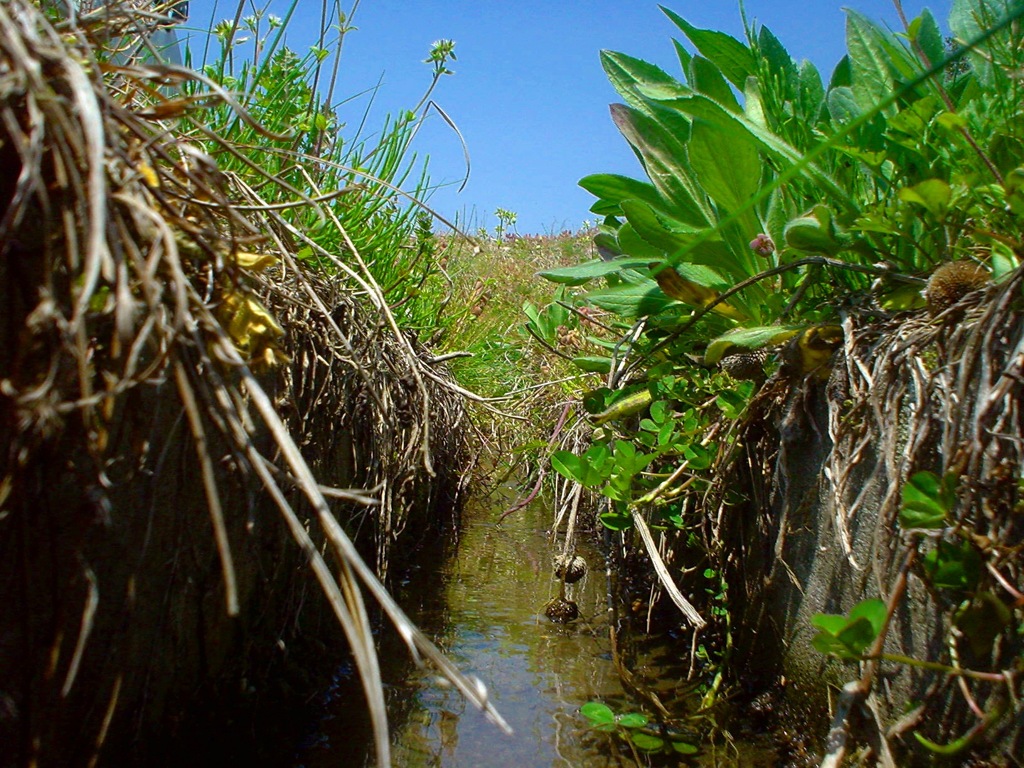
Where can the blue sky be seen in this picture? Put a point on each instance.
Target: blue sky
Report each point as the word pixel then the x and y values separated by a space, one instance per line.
pixel 528 93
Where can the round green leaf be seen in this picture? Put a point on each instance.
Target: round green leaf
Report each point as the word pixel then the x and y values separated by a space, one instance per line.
pixel 598 713
pixel 685 748
pixel 632 720
pixel 646 741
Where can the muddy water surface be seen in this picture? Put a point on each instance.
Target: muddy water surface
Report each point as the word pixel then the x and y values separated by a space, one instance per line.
pixel 485 610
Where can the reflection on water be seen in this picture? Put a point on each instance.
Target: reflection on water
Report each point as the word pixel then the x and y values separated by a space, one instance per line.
pixel 486 612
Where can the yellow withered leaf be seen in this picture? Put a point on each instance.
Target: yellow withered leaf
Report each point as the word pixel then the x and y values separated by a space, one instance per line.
pixel 147 173
pixel 252 328
pixel 677 287
pixel 254 262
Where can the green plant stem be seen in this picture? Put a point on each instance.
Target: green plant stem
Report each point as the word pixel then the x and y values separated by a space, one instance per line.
pixel 935 666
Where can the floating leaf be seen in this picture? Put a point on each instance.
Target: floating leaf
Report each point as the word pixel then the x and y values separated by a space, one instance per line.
pixel 600 715
pixel 632 720
pixel 647 742
pixel 685 748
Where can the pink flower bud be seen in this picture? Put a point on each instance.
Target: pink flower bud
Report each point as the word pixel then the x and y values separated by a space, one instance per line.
pixel 762 245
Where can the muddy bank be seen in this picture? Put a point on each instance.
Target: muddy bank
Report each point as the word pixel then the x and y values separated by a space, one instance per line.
pixel 190 421
pixel 829 464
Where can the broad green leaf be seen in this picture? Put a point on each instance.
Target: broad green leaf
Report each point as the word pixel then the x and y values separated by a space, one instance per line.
pixel 569 466
pixel 780 63
pixel 684 748
pixel 702 275
pixel 953 566
pixel 658 229
pixel 748 338
pixel 812 92
pixel 625 72
pixel 532 314
pixel 831 645
pixel 981 621
pixel 873 610
pixel 708 79
pixel 725 163
pixel 663 156
pixel 753 106
pixel 829 622
pixel 842 75
pixel 592 364
pixel 590 270
pixel 699 106
pixel 616 521
pixel 848 636
pixel 632 720
pixel 915 119
pixel 1003 260
pixel 647 741
pixel 857 635
pixel 607 245
pixel 632 300
pixel 733 401
pixel 598 713
pixel 932 194
pixel 968 19
pixel 870 65
pixel 629 75
pixel 660 410
pixel 731 56
pixel 925 505
pixel 616 188
pixel 814 232
pixel 631 242
pixel 929 37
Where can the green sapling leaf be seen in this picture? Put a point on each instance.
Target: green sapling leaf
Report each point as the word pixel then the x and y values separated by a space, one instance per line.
pixel 632 720
pixel 648 742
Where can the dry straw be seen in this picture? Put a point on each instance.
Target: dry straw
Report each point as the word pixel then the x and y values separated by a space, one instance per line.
pixel 131 260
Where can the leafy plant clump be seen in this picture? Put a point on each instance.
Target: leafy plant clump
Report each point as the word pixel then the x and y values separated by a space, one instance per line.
pixel 202 276
pixel 788 214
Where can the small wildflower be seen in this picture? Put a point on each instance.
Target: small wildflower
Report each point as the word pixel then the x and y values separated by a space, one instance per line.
pixel 762 245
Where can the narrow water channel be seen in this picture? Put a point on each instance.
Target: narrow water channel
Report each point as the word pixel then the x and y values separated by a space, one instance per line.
pixel 485 609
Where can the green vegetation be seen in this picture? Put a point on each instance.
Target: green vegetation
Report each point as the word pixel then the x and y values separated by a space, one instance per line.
pixel 635 730
pixel 350 202
pixel 779 209
pixel 492 282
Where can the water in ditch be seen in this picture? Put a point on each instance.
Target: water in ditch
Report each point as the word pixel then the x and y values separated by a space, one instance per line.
pixel 485 608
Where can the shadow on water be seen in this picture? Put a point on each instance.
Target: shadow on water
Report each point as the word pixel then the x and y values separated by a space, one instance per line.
pixel 484 607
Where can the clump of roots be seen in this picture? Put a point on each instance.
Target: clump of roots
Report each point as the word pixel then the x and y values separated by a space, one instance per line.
pixel 131 265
